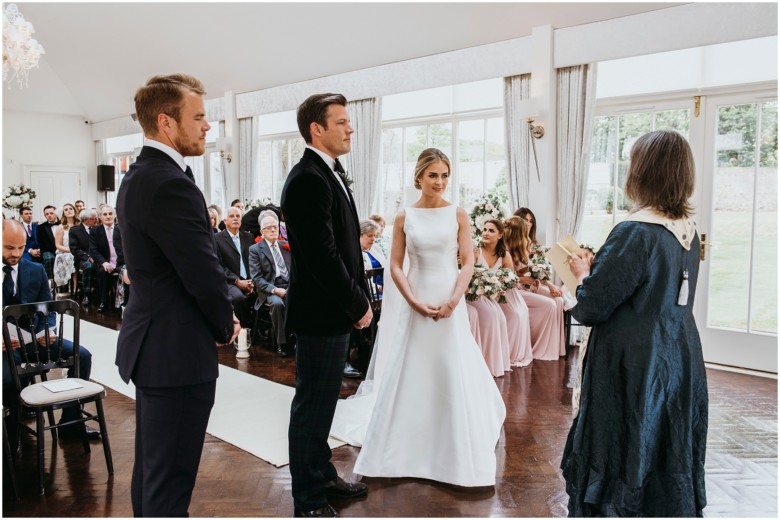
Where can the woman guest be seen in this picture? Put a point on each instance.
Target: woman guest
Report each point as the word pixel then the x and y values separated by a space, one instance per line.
pixel 493 254
pixel 545 315
pixel 64 266
pixel 215 220
pixel 637 446
pixel 368 232
pixel 381 245
pixel 545 287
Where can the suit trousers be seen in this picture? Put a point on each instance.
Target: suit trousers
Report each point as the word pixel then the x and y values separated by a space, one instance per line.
pixel 319 368
pixel 241 305
pixel 277 312
pixel 170 430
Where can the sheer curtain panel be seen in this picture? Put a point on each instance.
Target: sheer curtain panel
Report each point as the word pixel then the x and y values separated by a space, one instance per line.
pixel 246 154
pixel 362 162
pixel 576 93
pixel 517 89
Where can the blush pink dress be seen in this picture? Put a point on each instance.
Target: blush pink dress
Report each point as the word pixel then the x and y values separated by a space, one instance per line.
pixel 494 337
pixel 474 323
pixel 518 326
pixel 545 315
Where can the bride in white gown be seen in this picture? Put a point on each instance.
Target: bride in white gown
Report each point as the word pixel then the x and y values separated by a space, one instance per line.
pixel 435 411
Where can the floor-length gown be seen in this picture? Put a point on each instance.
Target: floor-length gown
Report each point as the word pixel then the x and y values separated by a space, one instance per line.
pixel 546 319
pixel 517 324
pixel 437 412
pixel 494 334
pixel 64 266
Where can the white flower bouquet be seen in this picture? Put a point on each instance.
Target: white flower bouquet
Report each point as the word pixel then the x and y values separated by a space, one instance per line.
pixel 18 196
pixel 489 206
pixel 508 279
pixel 485 282
pixel 538 265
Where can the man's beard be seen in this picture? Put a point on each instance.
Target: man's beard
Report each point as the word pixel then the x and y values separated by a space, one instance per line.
pixel 189 149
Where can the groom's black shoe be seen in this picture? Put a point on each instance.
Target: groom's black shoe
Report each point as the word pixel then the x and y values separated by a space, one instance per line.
pixel 326 511
pixel 339 488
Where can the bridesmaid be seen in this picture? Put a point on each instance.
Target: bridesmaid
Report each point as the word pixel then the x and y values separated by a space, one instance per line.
pixel 545 312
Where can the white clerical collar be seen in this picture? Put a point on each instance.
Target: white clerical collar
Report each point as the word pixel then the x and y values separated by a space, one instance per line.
pixel 176 156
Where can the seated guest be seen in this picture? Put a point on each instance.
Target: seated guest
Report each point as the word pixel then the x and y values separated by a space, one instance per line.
pixel 78 242
pixel 64 265
pixel 31 250
pixel 107 258
pixel 371 258
pixel 79 205
pixel 545 309
pixel 215 220
pixel 250 220
pixel 235 204
pixel 381 246
pixel 233 248
pixel 26 282
pixel 45 237
pixel 269 266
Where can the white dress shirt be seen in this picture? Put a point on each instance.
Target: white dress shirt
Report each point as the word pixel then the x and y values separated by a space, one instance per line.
pixel 331 162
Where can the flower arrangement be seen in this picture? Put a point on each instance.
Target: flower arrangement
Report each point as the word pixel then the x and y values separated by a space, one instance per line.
pixel 17 196
pixel 508 279
pixel 257 203
pixel 489 206
pixel 492 283
pixel 538 265
pixel 588 247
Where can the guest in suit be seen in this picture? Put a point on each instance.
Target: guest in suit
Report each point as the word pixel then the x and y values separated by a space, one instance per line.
pixel 269 266
pixel 233 247
pixel 108 260
pixel 251 219
pixel 31 251
pixel 327 297
pixel 26 282
pixel 78 241
pixel 79 204
pixel 45 237
pixel 235 204
pixel 179 312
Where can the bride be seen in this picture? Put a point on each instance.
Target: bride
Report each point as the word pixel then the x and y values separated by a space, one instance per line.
pixel 434 408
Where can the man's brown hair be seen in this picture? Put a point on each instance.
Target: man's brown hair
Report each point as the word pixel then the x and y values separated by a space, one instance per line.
pixel 163 95
pixel 315 110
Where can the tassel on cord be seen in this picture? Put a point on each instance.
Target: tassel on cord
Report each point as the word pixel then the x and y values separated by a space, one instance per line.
pixel 682 299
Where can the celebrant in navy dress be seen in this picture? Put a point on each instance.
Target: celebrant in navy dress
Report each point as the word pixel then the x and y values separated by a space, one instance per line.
pixel 637 445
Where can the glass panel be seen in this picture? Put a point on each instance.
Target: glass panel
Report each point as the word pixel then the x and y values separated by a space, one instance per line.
pixel 631 127
pixel 392 174
pixel 440 136
pixel 677 120
pixel 217 180
pixel 470 170
pixel 415 141
pixel 732 217
pixel 495 170
pixel 763 300
pixel 265 167
pixel 597 222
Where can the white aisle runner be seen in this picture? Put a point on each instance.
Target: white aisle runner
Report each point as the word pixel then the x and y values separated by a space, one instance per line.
pixel 249 412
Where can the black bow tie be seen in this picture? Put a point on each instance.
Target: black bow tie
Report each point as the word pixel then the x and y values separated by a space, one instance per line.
pixel 338 168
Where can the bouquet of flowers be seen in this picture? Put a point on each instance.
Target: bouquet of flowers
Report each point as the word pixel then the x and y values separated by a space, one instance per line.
pixel 18 196
pixel 257 203
pixel 484 282
pixel 538 265
pixel 489 206
pixel 508 279
pixel 588 247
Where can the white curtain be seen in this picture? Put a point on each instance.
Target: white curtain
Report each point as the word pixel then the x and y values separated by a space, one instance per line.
pixel 517 89
pixel 362 163
pixel 576 93
pixel 247 141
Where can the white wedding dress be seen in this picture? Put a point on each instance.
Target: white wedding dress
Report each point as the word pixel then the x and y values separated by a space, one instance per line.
pixel 432 410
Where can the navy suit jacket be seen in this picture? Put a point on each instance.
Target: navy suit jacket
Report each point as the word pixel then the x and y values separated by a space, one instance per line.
pixel 32 242
pixel 178 306
pixel 78 242
pixel 327 293
pixel 32 285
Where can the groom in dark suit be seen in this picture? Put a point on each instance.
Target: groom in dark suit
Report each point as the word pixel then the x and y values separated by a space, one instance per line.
pixel 327 297
pixel 179 310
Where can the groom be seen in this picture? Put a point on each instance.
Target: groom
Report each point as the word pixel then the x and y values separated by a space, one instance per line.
pixel 326 298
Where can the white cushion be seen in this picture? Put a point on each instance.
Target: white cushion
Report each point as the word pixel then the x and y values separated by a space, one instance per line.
pixel 39 395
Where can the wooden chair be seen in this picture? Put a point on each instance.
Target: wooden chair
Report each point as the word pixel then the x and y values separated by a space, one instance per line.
pixel 567 325
pixel 9 469
pixel 30 361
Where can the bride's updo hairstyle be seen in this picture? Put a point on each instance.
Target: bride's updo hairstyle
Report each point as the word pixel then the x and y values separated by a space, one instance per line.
pixel 426 158
pixel 516 239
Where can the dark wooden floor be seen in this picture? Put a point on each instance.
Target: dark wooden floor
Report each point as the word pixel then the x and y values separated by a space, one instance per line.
pixel 741 464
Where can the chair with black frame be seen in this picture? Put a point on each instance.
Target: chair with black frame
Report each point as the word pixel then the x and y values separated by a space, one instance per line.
pixel 27 362
pixel 9 471
pixel 362 341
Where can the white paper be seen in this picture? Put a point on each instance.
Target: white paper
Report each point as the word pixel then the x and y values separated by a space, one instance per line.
pixel 61 385
pixel 26 336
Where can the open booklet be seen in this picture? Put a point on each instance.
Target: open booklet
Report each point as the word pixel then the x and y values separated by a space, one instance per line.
pixel 558 256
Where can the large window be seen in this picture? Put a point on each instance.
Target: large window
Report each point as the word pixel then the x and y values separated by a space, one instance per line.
pixel 613 136
pixel 466 122
pixel 279 147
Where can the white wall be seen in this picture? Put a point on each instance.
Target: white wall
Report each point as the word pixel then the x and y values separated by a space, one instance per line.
pixel 47 140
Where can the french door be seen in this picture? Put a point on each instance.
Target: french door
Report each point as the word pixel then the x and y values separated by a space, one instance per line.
pixel 736 298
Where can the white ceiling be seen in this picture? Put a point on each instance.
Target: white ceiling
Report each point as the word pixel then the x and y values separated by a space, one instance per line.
pixel 97 54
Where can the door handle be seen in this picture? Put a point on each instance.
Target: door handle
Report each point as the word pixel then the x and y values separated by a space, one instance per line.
pixel 704 244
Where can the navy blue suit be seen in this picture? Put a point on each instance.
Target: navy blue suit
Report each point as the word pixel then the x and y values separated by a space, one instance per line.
pixel 178 310
pixel 32 286
pixel 32 242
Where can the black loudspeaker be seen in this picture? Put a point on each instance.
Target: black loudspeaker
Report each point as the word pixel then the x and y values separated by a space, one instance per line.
pixel 105 180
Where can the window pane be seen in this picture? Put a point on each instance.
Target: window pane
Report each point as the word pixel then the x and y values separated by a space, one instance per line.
pixel 763 301
pixel 677 120
pixel 495 170
pixel 440 136
pixel 415 140
pixel 217 180
pixel 732 217
pixel 469 172
pixel 597 221
pixel 631 127
pixel 265 168
pixel 391 174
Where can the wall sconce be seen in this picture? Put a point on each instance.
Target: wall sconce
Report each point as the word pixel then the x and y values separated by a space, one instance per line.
pixel 537 131
pixel 225 148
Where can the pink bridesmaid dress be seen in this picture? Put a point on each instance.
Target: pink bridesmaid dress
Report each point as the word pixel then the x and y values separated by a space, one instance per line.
pixel 494 338
pixel 474 323
pixel 518 326
pixel 545 315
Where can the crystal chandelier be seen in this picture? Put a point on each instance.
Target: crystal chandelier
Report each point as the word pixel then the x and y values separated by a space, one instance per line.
pixel 21 52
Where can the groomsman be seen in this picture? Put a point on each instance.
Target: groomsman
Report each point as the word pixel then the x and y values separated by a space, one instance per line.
pixel 31 251
pixel 179 311
pixel 326 300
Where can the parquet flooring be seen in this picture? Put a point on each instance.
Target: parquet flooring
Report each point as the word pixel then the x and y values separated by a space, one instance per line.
pixel 741 458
